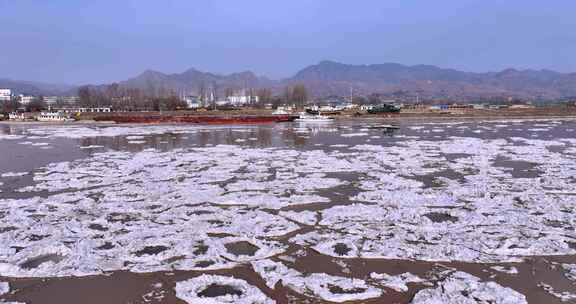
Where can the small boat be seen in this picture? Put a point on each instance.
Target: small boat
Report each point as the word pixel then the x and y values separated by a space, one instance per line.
pixel 304 117
pixel 280 112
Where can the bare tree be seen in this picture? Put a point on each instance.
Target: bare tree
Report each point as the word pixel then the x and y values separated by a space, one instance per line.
pixel 300 95
pixel 8 106
pixel 287 95
pixel 36 105
pixel 264 96
pixel 85 95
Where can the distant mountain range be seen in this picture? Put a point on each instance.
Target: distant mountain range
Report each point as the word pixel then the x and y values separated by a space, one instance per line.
pixel 192 80
pixel 434 82
pixel 36 88
pixel 333 78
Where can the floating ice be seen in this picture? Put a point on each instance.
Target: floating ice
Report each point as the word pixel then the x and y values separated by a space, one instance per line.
pixel 91 147
pixel 214 289
pixel 321 285
pixel 396 282
pixel 564 296
pixel 353 134
pixel 304 217
pixel 571 271
pixel 504 269
pixel 448 199
pixel 4 288
pixel 14 174
pixel 460 287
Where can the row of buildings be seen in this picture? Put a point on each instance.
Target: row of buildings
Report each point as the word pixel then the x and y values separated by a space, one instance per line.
pixel 207 100
pixel 8 94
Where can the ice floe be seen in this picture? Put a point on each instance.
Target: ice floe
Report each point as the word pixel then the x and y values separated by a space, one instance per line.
pixel 319 285
pixel 452 198
pixel 505 269
pixel 4 288
pixel 214 289
pixel 564 296
pixel 13 174
pixel 396 282
pixel 461 287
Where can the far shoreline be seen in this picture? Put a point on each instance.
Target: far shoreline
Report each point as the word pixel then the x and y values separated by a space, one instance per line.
pixel 398 118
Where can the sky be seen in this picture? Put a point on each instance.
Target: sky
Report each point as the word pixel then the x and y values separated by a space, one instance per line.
pixel 100 41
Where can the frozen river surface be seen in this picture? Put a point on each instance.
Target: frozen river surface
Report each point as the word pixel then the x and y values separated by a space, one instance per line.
pixel 440 212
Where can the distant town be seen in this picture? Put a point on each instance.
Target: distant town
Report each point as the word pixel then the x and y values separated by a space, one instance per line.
pixel 24 107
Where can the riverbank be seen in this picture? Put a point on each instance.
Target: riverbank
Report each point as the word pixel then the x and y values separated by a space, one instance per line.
pixel 257 116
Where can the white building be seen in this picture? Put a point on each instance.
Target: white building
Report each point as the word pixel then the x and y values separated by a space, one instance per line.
pixel 51 99
pixel 5 94
pixel 20 116
pixel 192 101
pixel 87 110
pixel 26 99
pixel 242 99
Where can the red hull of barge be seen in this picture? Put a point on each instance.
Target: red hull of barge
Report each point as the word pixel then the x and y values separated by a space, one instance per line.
pixel 212 120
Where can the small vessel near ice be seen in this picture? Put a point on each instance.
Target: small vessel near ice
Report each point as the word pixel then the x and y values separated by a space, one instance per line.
pixel 280 112
pixel 305 117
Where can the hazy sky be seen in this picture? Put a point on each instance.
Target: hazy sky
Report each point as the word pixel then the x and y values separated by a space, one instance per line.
pixel 95 41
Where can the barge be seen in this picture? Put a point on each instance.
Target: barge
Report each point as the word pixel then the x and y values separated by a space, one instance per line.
pixel 197 119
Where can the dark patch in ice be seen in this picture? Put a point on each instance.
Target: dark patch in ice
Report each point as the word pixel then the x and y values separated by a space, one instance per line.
pixel 199 212
pixel 556 224
pixel 7 229
pixel 242 248
pixel 215 290
pixel 204 264
pixel 454 156
pixel 35 237
pixel 39 260
pixel 572 245
pixel 219 235
pixel 17 248
pixel 200 249
pixel 339 290
pixel 432 181
pixel 341 249
pixel 438 217
pixel 215 222
pixel 106 246
pixel 520 169
pixel 151 250
pixel 120 217
pixel 97 227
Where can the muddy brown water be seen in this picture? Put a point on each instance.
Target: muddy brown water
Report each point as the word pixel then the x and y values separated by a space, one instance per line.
pixel 158 287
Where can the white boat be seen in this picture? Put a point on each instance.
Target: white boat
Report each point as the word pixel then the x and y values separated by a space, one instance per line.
pixel 280 112
pixel 304 117
pixel 53 116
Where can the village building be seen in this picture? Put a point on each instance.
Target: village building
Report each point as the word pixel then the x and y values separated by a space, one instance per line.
pixel 242 98
pixel 25 100
pixel 5 94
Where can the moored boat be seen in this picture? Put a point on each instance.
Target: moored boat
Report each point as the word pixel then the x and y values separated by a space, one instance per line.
pixel 304 117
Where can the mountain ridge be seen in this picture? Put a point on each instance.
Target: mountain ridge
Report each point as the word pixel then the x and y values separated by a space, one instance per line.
pixel 329 77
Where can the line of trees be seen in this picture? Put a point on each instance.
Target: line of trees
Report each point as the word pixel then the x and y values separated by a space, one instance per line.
pixel 297 94
pixel 128 99
pixel 15 104
pixel 134 99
